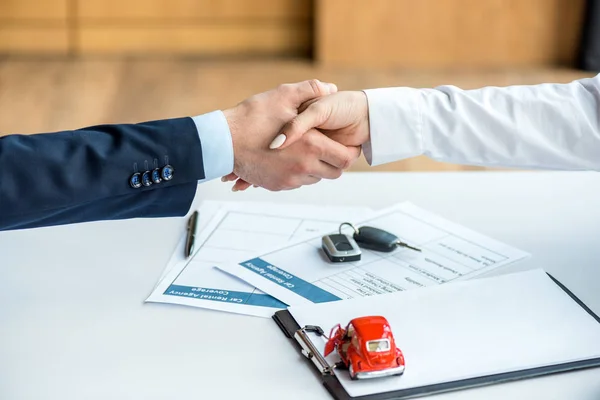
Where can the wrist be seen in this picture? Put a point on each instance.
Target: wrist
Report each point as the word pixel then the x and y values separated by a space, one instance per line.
pixel 232 120
pixel 364 112
pixel 231 115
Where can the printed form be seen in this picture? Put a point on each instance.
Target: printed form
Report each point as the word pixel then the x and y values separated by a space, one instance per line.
pixel 301 273
pixel 231 232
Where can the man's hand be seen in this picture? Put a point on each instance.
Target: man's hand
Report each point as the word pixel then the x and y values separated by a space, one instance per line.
pixel 343 117
pixel 253 124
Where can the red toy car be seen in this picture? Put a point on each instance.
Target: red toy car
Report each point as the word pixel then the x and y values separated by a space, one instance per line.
pixel 367 348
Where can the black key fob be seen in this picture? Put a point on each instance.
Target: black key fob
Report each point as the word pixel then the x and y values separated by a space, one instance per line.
pixel 376 239
pixel 340 248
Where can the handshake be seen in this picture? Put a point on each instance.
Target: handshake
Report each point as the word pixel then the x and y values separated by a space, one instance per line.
pixel 296 135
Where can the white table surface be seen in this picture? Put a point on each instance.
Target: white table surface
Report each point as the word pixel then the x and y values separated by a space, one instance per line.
pixel 73 323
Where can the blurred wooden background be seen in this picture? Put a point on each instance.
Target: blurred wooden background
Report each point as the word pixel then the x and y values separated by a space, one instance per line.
pixel 125 27
pixel 366 33
pixel 71 63
pixel 449 33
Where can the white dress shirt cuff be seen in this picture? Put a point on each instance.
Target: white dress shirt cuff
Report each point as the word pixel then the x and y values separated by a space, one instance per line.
pixel 395 125
pixel 217 146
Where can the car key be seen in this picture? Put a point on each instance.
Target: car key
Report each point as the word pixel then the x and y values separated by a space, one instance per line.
pixel 378 239
pixel 340 248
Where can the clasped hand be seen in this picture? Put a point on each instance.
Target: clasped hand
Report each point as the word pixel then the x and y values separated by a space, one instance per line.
pixel 296 135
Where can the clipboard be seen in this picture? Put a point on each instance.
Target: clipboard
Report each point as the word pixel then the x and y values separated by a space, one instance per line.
pixel 302 342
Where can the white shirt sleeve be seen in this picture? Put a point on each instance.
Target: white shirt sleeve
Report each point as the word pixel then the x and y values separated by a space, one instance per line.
pixel 547 126
pixel 217 146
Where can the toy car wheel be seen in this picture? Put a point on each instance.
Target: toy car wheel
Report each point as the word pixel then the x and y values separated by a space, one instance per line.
pixel 351 372
pixel 341 365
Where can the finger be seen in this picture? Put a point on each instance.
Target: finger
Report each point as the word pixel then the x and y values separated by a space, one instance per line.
pixel 297 182
pixel 305 105
pixel 310 180
pixel 305 181
pixel 315 115
pixel 240 185
pixel 327 171
pixel 312 88
pixel 341 137
pixel 330 151
pixel 356 151
pixel 229 178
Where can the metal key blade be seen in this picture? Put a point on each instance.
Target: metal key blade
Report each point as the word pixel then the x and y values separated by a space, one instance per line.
pixel 399 243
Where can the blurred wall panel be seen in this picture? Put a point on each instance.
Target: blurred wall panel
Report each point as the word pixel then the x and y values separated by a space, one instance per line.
pixel 33 40
pixel 448 33
pixel 219 40
pixel 191 9
pixel 199 27
pixel 28 10
pixel 34 26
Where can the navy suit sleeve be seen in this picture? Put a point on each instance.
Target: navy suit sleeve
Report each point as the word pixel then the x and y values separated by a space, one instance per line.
pixel 83 175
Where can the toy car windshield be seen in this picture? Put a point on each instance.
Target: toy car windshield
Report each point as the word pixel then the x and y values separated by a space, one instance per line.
pixel 378 345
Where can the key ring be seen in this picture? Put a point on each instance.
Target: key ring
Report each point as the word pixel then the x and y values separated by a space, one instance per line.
pixel 350 225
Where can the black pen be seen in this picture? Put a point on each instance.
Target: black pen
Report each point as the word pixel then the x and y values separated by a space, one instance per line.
pixel 192 227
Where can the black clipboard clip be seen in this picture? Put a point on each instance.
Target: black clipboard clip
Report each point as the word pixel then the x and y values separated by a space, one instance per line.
pixel 310 351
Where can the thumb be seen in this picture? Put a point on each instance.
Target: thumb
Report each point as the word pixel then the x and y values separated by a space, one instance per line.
pixel 315 115
pixel 311 89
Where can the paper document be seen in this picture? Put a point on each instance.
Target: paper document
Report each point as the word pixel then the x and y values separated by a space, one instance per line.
pixel 300 273
pixel 469 329
pixel 231 232
pixel 210 210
